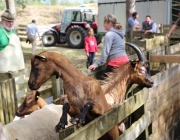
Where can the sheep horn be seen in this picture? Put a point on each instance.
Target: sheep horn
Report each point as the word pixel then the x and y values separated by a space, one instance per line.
pixel 140 54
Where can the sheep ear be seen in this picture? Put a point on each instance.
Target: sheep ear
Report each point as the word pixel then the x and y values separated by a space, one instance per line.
pixel 41 57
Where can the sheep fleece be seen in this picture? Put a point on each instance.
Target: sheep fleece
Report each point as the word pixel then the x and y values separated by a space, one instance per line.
pixel 37 126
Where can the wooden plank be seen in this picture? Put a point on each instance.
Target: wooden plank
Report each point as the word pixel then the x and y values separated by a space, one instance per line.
pixel 54 87
pixel 136 128
pixel 21 86
pixel 2 120
pixel 98 127
pixel 165 58
pixel 66 132
pixel 46 93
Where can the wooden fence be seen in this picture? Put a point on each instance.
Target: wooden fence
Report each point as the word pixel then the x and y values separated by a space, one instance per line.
pixel 152 102
pixel 13 93
pixel 21 30
pixel 161 112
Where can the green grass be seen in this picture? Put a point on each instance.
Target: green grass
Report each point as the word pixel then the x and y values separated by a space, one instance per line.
pixel 76 56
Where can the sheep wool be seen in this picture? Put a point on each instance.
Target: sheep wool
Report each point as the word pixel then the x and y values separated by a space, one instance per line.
pixel 39 125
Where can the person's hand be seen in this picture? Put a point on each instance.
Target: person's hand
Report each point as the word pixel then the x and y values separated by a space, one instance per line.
pixel 87 53
pixel 168 35
pixel 92 67
pixel 145 32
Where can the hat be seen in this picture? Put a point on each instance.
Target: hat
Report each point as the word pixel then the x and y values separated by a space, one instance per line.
pixel 7 15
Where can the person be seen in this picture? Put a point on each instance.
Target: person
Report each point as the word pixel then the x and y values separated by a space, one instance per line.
pixel 91 47
pixel 11 55
pixel 32 30
pixel 177 23
pixel 113 52
pixel 149 26
pixel 132 22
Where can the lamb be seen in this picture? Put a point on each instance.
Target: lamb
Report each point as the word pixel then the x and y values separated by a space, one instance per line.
pixel 39 125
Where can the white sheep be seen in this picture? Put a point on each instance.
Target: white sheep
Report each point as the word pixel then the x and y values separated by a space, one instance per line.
pixel 39 125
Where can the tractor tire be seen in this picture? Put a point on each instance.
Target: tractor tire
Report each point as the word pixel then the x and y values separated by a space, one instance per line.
pixel 75 36
pixel 49 39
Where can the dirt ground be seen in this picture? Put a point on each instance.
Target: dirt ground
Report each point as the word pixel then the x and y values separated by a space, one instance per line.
pixel 42 14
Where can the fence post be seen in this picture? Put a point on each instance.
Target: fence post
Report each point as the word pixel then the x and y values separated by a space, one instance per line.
pixel 148 58
pixel 54 87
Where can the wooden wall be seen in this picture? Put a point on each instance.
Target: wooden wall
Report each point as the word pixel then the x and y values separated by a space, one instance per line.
pixel 164 103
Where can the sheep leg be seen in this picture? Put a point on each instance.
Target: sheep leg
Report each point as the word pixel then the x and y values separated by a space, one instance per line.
pixel 63 119
pixel 80 119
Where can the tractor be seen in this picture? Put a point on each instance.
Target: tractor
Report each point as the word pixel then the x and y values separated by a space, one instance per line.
pixel 72 29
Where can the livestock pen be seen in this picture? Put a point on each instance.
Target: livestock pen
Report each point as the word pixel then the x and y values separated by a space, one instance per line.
pixel 156 110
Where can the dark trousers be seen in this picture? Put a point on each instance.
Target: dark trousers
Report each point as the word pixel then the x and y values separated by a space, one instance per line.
pixel 90 59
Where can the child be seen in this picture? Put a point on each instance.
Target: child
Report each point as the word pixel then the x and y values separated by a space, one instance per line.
pixel 90 46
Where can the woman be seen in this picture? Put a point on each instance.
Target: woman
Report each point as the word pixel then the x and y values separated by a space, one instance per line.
pixel 114 47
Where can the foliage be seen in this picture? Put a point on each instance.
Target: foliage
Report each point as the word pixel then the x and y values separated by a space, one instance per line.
pixel 2 5
pixel 20 5
pixel 67 3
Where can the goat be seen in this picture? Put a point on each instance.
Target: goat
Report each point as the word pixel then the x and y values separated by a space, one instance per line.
pixel 85 95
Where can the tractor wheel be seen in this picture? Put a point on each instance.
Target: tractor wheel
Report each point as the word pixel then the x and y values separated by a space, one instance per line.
pixel 75 36
pixel 49 39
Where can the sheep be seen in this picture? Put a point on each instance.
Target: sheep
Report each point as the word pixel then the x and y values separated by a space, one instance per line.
pixel 39 125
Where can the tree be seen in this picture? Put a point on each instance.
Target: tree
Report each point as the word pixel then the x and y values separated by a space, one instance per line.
pixel 130 8
pixel 11 6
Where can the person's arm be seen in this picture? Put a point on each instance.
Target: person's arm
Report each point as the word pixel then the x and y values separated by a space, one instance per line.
pixel 131 22
pixel 153 30
pixel 171 30
pixel 27 30
pixel 137 26
pixel 107 47
pixel 86 46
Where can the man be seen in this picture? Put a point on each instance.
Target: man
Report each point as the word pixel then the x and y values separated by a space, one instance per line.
pixel 177 23
pixel 31 32
pixel 149 26
pixel 11 55
pixel 132 22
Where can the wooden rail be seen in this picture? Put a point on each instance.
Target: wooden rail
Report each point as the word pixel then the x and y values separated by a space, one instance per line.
pixel 165 58
pixel 101 125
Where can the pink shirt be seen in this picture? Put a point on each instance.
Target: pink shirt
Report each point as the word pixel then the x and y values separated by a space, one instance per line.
pixel 116 62
pixel 90 44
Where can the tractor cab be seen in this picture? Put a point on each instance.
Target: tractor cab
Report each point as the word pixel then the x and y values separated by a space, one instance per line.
pixel 78 16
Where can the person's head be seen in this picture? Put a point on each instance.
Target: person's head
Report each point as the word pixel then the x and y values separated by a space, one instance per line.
pixel 110 21
pixel 90 32
pixel 7 19
pixel 33 21
pixel 135 15
pixel 148 19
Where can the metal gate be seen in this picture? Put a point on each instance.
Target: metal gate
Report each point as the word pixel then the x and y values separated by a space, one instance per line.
pixel 175 10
